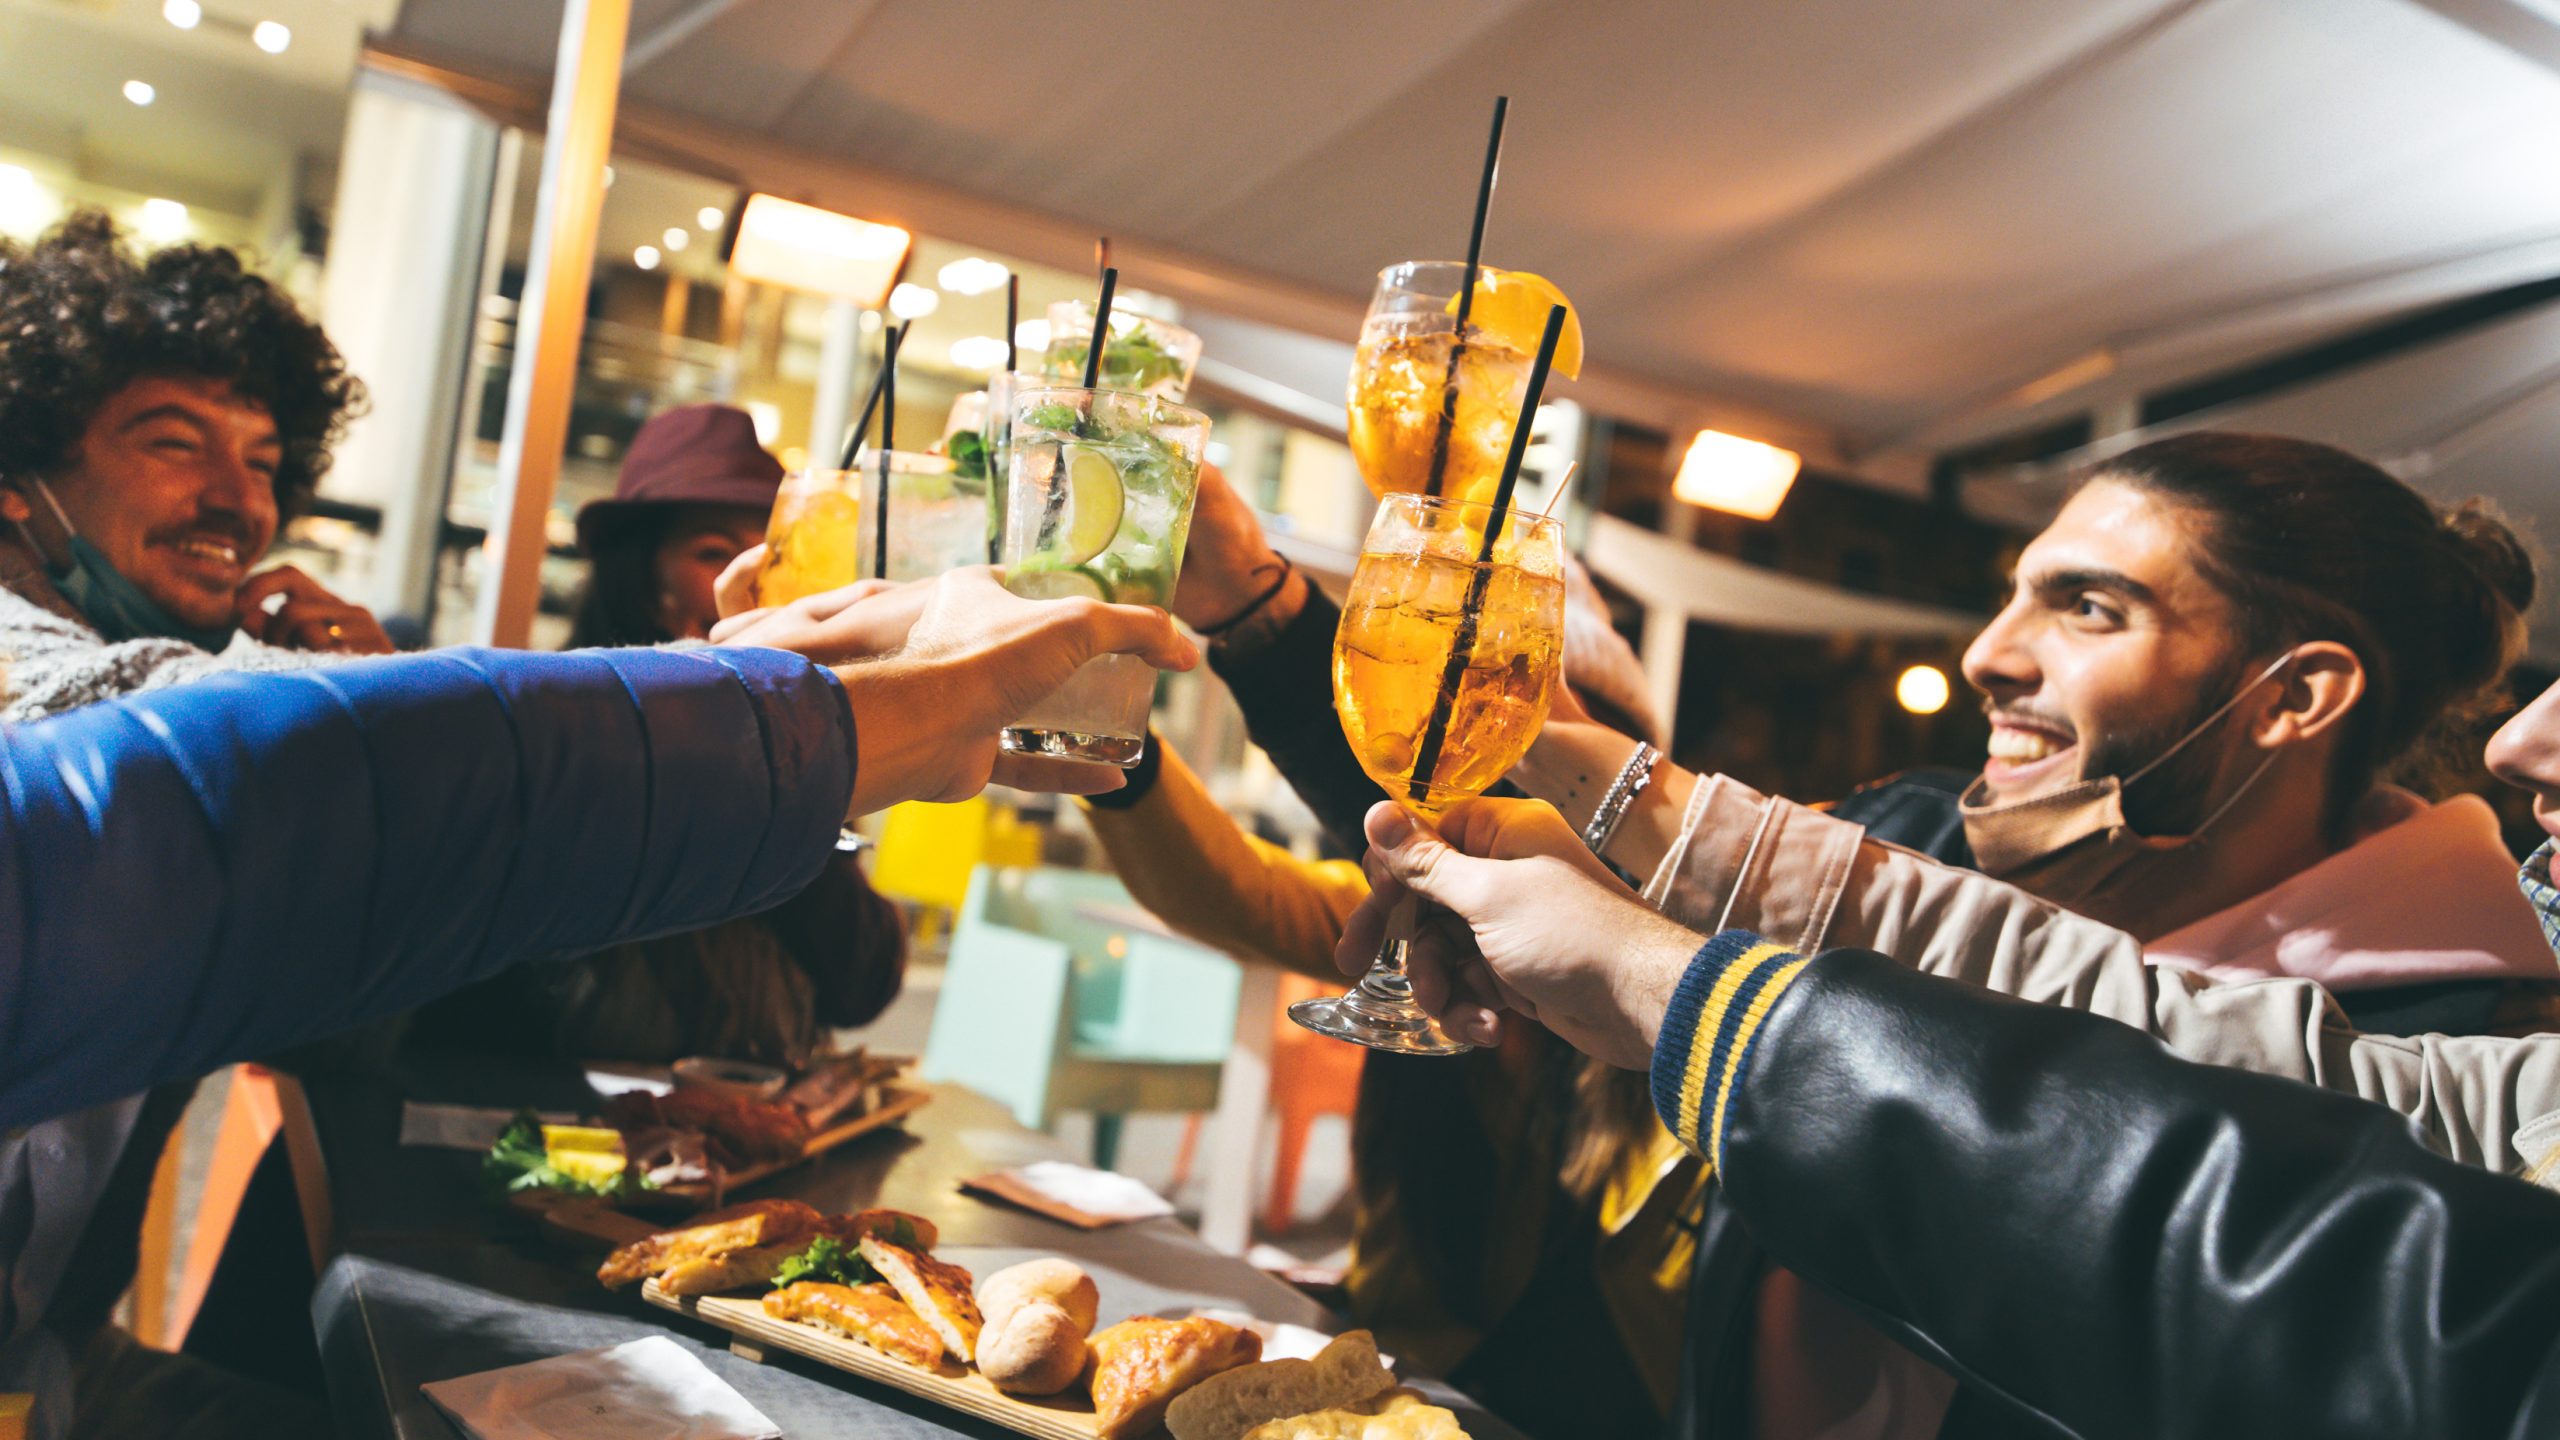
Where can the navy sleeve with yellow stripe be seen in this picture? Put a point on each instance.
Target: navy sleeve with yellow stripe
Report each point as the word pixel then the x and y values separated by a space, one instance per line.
pixel 1705 1047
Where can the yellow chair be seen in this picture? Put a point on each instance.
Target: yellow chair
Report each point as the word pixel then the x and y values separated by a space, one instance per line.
pixel 927 852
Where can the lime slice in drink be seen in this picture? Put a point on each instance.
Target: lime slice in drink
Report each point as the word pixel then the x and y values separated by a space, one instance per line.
pixel 1093 507
pixel 1046 584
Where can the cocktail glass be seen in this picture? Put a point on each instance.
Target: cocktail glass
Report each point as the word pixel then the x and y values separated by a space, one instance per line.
pixel 1408 360
pixel 825 527
pixel 1097 504
pixel 1425 615
pixel 1143 353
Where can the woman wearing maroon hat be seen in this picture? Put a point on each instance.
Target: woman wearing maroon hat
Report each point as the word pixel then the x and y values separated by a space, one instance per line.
pixel 694 491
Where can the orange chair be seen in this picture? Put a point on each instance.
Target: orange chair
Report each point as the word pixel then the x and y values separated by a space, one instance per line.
pixel 261 1106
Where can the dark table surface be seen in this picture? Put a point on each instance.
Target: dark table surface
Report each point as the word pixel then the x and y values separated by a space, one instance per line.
pixel 432 1280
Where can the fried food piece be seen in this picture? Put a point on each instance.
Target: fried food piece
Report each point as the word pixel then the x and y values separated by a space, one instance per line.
pixel 898 1227
pixel 1225 1407
pixel 1395 1415
pixel 872 1314
pixel 1140 1365
pixel 840 1087
pixel 935 1289
pixel 711 1274
pixel 740 1227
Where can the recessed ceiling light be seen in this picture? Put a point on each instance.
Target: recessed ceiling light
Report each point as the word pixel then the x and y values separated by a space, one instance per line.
pixel 182 13
pixel 913 302
pixel 1032 335
pixel 646 257
pixel 608 177
pixel 677 237
pixel 271 37
pixel 162 220
pixel 972 276
pixel 710 217
pixel 140 92
pixel 977 352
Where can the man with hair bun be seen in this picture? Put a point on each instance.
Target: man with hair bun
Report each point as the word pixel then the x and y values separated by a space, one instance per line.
pixel 2218 690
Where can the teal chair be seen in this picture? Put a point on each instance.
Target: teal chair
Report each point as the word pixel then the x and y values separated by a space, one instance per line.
pixel 1055 999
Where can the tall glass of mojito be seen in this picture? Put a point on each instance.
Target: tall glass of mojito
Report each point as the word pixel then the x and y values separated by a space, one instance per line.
pixel 1097 504
pixel 1432 407
pixel 1142 353
pixel 935 507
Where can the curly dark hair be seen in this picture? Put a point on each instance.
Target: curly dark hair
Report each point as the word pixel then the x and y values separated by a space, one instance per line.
pixel 82 316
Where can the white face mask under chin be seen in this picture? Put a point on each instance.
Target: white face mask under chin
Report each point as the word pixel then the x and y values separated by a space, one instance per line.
pixel 2074 844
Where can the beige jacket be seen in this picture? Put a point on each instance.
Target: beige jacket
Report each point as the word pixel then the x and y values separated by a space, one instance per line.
pixel 1810 881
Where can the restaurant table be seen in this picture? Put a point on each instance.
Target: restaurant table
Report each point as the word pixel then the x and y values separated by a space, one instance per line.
pixel 432 1279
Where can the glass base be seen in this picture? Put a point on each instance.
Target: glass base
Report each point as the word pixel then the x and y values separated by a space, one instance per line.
pixel 1117 750
pixel 1364 1019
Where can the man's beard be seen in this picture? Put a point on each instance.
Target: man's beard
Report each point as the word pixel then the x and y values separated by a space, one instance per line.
pixel 2175 798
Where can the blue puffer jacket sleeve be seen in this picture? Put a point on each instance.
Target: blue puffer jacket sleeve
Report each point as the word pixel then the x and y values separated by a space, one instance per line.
pixel 215 871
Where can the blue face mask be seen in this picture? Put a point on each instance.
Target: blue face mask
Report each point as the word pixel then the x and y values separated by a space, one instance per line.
pixel 2535 880
pixel 114 605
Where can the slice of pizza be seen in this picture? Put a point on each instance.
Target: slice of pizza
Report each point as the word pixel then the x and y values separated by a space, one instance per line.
pixel 1140 1365
pixel 937 1290
pixel 872 1314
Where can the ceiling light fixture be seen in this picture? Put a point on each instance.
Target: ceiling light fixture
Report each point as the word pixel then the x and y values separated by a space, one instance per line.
pixel 646 257
pixel 710 217
pixel 185 14
pixel 140 92
pixel 913 302
pixel 271 37
pixel 972 276
pixel 1032 337
pixel 676 238
pixel 162 220
pixel 1735 475
pixel 783 242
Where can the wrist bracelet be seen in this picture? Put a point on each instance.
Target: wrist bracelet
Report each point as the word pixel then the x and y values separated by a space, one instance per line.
pixel 1633 776
pixel 1254 606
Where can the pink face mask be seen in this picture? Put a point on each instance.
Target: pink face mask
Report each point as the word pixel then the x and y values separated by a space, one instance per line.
pixel 2073 844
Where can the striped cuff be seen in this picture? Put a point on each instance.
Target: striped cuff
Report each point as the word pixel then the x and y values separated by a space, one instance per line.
pixel 1705 1046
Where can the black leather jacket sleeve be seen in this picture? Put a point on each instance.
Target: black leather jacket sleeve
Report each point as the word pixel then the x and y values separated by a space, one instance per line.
pixel 2122 1241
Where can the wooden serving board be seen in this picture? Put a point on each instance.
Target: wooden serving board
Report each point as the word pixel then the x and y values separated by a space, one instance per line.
pixel 752 1333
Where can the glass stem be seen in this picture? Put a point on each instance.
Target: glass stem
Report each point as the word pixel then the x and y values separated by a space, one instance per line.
pixel 1386 982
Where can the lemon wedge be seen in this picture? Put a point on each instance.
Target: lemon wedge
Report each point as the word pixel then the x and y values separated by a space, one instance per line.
pixel 1511 306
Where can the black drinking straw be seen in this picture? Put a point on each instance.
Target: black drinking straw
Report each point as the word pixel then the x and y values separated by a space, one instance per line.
pixel 1466 298
pixel 1101 326
pixel 888 442
pixel 1012 321
pixel 1426 757
pixel 871 402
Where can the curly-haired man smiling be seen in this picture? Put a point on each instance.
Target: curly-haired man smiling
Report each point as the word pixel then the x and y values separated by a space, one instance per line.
pixel 160 417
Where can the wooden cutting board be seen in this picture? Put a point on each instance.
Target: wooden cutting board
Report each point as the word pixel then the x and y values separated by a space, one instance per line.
pixel 753 1333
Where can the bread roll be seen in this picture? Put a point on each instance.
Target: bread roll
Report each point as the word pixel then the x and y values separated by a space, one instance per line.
pixel 1037 1315
pixel 1036 1349
pixel 1061 1282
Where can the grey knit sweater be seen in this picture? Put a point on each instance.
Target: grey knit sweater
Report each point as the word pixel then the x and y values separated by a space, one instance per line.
pixel 50 663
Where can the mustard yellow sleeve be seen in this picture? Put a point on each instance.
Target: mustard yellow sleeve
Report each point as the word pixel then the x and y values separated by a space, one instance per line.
pixel 1189 862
